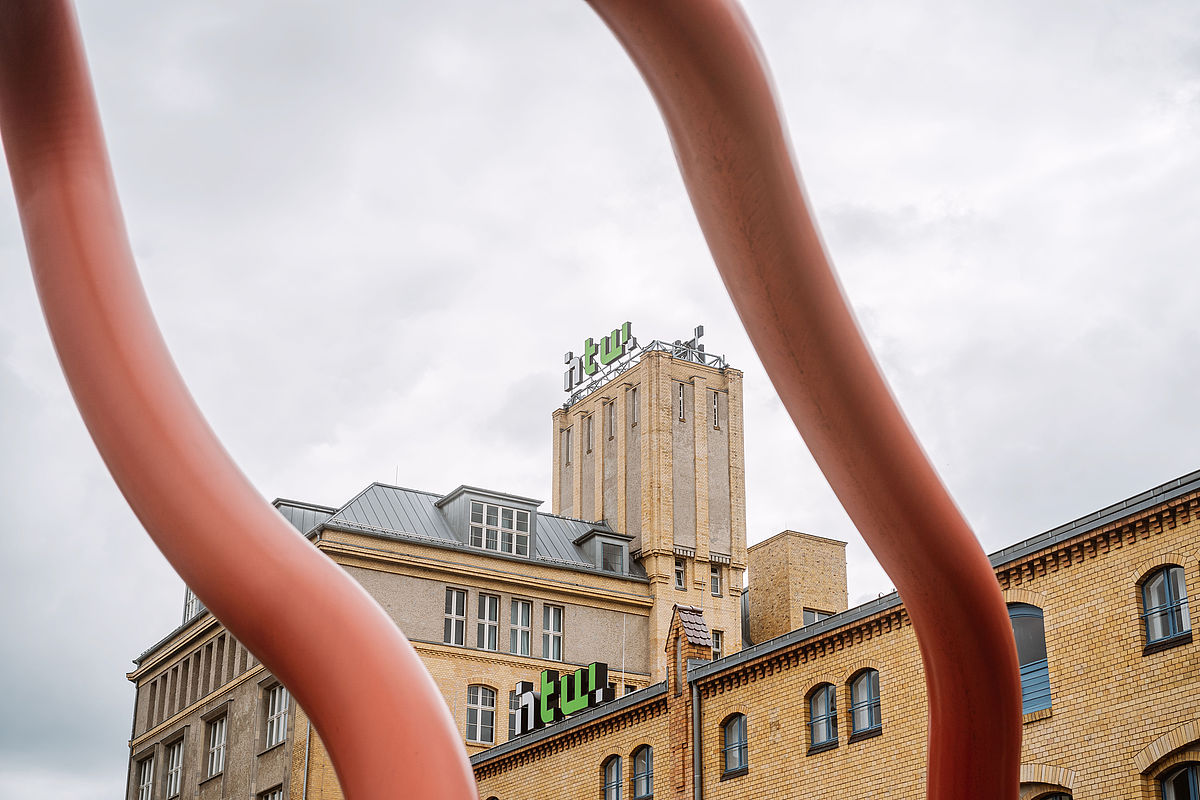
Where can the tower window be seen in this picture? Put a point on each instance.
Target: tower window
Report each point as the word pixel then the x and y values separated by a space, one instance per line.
pixel 589 438
pixel 680 577
pixel 612 419
pixel 634 414
pixel 716 411
pixel 681 414
pixel 715 580
pixel 566 441
pixel 718 640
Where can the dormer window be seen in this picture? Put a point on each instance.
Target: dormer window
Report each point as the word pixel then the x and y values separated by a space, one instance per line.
pixel 498 528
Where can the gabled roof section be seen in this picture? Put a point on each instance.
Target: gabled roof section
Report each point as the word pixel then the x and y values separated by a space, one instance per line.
pixel 691 619
pixel 400 513
pixel 303 516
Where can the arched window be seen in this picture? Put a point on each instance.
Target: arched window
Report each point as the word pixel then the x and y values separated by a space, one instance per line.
pixel 1055 796
pixel 733 734
pixel 611 778
pixel 822 716
pixel 1164 604
pixel 481 714
pixel 864 702
pixel 643 772
pixel 1029 629
pixel 1182 783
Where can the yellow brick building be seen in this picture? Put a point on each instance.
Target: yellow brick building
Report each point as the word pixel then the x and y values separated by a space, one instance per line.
pixel 648 511
pixel 836 709
pixel 640 563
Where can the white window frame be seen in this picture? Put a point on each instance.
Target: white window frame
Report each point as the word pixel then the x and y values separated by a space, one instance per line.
pixel 173 780
pixel 481 717
pixel 454 628
pixel 680 574
pixel 192 606
pixel 216 746
pixel 714 575
pixel 514 712
pixel 146 778
pixel 272 794
pixel 277 715
pixel 718 644
pixel 487 631
pixel 520 636
pixel 552 637
pixel 499 528
pixel 716 407
pixel 589 433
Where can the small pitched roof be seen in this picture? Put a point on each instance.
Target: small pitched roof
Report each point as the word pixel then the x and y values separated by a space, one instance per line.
pixel 694 627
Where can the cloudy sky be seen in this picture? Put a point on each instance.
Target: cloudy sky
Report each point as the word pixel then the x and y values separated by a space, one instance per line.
pixel 370 230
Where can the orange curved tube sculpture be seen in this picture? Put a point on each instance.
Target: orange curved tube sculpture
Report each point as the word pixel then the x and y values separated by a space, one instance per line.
pixel 385 724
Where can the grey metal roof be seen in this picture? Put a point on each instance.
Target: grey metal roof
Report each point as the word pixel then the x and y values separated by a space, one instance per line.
pixel 303 516
pixel 410 514
pixel 694 627
pixel 1184 485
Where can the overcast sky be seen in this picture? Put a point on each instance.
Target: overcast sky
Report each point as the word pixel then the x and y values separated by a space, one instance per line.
pixel 370 230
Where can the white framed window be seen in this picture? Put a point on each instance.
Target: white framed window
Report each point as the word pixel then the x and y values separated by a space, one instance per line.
pixel 216 747
pixel 277 712
pixel 146 778
pixel 680 574
pixel 588 434
pixel 520 614
pixel 715 579
pixel 455 629
pixel 634 411
pixel 552 633
pixel 682 416
pixel 716 411
pixel 272 794
pixel 481 714
pixel 174 768
pixel 718 640
pixel 514 713
pixel 191 604
pixel 488 629
pixel 499 528
pixel 612 419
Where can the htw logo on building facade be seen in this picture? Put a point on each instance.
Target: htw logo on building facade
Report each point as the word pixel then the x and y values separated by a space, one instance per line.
pixel 555 697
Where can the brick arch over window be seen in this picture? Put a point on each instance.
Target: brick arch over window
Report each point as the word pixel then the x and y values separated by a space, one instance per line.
pixel 1026 596
pixel 1060 777
pixel 1151 565
pixel 861 664
pixel 1173 747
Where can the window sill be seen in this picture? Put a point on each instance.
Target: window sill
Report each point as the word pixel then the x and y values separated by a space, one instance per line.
pixel 1034 716
pixel 822 747
pixel 869 733
pixel 1166 644
pixel 220 774
pixel 734 773
pixel 276 746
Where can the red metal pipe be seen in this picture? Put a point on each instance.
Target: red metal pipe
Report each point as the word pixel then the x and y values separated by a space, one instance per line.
pixel 707 73
pixel 383 720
